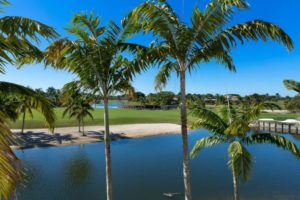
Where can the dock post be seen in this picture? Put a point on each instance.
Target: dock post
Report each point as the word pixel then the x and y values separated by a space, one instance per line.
pixel 290 130
pixel 275 127
pixel 282 128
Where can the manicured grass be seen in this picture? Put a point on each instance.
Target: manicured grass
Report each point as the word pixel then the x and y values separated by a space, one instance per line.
pixel 117 116
pixel 127 116
pixel 281 116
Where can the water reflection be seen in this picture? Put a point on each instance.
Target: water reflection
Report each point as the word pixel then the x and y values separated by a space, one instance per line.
pixel 78 167
pixel 145 169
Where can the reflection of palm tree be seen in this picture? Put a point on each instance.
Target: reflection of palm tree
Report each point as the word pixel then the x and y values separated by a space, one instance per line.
pixel 234 130
pixel 78 168
pixel 17 35
pixel 183 48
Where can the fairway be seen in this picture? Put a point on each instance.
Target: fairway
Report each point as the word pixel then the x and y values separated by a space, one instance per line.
pixel 117 116
pixel 125 116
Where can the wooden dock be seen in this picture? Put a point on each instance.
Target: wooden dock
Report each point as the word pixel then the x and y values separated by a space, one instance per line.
pixel 288 126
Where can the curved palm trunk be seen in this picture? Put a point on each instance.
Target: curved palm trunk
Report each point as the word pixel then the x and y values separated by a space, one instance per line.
pixel 107 152
pixel 186 160
pixel 23 122
pixel 235 185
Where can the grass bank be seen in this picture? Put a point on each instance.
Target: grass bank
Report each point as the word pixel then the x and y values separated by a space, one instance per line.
pixel 126 116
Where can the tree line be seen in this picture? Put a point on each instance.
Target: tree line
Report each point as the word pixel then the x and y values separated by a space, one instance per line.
pixel 56 97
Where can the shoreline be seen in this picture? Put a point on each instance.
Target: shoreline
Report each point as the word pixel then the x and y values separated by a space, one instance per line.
pixel 42 137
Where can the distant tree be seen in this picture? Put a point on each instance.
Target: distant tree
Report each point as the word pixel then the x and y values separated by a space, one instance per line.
pixel 278 96
pixel 79 108
pixel 53 95
pixel 140 97
pixel 26 105
pixel 293 104
pixel 153 99
pixel 166 98
pixel 40 91
pixel 221 99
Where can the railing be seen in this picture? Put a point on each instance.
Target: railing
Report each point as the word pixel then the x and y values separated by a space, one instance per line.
pixel 292 127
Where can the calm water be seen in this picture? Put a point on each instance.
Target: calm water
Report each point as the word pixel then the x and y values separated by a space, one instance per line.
pixel 143 169
pixel 110 105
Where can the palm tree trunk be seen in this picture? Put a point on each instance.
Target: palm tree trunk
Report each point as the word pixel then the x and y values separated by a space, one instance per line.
pixel 82 123
pixel 79 125
pixel 235 184
pixel 23 122
pixel 107 151
pixel 186 160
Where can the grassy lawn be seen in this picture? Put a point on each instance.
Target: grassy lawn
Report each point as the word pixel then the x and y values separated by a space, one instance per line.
pixel 117 116
pixel 126 116
pixel 281 116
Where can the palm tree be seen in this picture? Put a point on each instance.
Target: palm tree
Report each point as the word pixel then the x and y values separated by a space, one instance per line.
pixel 18 36
pixel 79 109
pixel 232 128
pixel 292 85
pixel 26 105
pixel 96 57
pixel 184 46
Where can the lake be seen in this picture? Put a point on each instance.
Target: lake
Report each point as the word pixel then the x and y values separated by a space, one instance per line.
pixel 143 169
pixel 110 105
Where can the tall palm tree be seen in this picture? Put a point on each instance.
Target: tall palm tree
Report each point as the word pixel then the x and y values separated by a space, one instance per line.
pixel 18 39
pixel 79 108
pixel 184 46
pixel 96 57
pixel 232 128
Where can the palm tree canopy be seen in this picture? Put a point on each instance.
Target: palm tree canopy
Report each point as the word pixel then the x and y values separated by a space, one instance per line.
pixel 238 135
pixel 18 36
pixel 184 46
pixel 96 55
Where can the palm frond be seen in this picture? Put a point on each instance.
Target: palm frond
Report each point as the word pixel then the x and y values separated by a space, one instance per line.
pixel 240 160
pixel 11 171
pixel 209 120
pixel 253 30
pixel 278 140
pixel 292 85
pixel 163 75
pixel 206 143
pixel 24 27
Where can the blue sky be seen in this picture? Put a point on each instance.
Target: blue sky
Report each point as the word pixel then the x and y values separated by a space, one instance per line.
pixel 261 66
